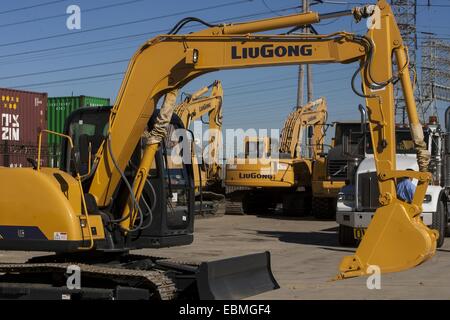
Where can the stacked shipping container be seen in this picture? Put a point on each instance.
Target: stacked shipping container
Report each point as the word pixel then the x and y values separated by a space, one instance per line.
pixel 23 116
pixel 59 108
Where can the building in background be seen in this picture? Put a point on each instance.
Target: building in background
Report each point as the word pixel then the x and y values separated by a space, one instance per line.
pixel 23 116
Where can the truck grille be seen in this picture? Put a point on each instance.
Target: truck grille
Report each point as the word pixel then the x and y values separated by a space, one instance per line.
pixel 337 169
pixel 368 191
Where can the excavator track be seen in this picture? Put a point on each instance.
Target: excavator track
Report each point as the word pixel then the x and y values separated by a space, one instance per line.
pixel 133 276
pixel 155 280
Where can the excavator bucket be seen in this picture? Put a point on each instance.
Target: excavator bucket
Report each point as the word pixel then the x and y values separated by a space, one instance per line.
pixel 394 241
pixel 236 278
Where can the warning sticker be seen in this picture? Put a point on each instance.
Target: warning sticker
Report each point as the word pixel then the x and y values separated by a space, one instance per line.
pixel 60 236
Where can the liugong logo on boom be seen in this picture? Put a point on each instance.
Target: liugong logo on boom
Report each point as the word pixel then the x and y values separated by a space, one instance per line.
pixel 270 51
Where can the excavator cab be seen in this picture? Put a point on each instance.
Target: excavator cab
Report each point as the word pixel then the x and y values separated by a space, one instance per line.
pixel 257 147
pixel 168 180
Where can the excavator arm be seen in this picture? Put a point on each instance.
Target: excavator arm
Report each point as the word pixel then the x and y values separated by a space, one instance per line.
pixel 396 238
pixel 312 114
pixel 197 105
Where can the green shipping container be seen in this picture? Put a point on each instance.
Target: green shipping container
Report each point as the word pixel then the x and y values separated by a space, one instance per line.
pixel 59 108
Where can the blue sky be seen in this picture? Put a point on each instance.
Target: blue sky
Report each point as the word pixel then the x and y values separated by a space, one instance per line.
pixel 259 98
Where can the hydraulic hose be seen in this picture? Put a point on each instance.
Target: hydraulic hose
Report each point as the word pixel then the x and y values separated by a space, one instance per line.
pixel 129 187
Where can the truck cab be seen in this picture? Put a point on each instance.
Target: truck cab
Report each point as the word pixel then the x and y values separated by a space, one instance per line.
pixel 330 172
pixel 358 199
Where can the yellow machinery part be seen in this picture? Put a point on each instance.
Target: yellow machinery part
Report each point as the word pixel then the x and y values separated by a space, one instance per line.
pixel 322 187
pixel 52 204
pixel 276 174
pixel 393 242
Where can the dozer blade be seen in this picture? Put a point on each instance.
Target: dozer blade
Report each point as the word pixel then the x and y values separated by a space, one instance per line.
pixel 394 241
pixel 236 278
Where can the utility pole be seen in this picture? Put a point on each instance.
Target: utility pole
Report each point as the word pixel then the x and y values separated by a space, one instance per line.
pixel 308 66
pixel 301 75
pixel 301 70
pixel 300 85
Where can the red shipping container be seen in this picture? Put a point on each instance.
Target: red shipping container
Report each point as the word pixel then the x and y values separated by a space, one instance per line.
pixel 22 116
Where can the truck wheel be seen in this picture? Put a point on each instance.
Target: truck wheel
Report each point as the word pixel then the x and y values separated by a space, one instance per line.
pixel 346 237
pixel 440 223
pixel 447 231
pixel 324 208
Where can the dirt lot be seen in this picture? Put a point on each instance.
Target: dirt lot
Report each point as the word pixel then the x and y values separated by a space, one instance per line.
pixel 305 256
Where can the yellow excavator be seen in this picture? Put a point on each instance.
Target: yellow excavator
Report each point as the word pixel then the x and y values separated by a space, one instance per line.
pixel 50 209
pixel 209 194
pixel 283 176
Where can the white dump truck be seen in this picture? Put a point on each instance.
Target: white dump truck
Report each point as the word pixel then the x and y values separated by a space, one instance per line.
pixel 358 200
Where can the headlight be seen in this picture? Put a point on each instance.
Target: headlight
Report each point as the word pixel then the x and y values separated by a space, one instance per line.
pixel 428 198
pixel 346 197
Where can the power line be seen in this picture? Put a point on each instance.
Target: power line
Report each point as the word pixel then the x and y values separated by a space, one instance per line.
pixel 60 35
pixel 63 69
pixel 128 36
pixel 65 15
pixel 274 88
pixel 68 80
pixel 122 74
pixel 32 7
pixel 253 83
pixel 133 35
pixel 364 3
pixel 244 109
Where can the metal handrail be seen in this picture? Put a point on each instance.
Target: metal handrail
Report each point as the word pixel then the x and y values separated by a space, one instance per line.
pixel 77 177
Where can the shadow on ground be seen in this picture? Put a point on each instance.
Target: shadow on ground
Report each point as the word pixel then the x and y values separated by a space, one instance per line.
pixel 279 216
pixel 341 249
pixel 308 238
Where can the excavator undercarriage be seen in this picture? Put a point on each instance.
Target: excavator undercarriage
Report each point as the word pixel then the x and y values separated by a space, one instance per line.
pixel 118 276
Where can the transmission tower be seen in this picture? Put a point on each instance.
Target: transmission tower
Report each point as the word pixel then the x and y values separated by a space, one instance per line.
pixel 405 14
pixel 435 84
